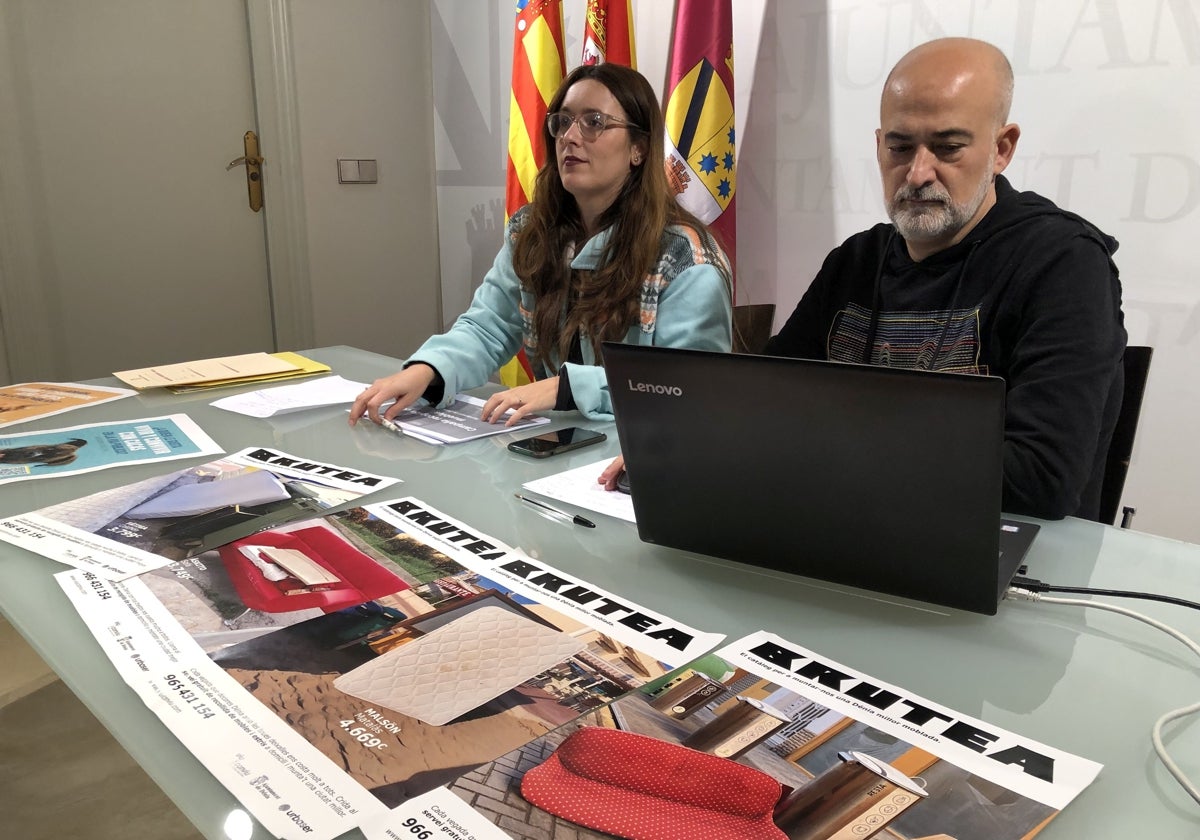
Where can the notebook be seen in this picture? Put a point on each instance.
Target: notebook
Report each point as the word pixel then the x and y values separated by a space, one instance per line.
pixel 875 477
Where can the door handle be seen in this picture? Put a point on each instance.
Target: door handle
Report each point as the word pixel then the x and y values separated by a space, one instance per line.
pixel 253 162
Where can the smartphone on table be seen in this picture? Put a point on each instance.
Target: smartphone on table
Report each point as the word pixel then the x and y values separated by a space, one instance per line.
pixel 552 443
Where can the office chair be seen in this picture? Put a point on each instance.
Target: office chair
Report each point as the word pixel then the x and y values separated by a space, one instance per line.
pixel 752 323
pixel 1137 369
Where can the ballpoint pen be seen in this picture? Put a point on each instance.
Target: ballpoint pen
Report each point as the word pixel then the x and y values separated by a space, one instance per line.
pixel 573 517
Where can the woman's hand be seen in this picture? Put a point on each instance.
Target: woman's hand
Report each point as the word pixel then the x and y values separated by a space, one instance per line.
pixel 612 473
pixel 524 399
pixel 405 387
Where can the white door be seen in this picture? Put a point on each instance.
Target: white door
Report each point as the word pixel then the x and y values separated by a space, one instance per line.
pixel 124 240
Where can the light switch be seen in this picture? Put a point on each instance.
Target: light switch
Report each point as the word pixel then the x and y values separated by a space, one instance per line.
pixel 353 171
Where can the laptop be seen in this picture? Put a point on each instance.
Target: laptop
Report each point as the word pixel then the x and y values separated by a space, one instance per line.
pixel 875 477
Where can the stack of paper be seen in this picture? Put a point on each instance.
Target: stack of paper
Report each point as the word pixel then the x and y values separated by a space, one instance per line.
pixel 460 421
pixel 222 371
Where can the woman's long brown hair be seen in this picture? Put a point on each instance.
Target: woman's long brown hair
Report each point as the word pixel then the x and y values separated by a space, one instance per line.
pixel 606 301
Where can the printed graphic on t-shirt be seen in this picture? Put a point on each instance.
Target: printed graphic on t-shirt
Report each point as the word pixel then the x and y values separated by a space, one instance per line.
pixel 941 340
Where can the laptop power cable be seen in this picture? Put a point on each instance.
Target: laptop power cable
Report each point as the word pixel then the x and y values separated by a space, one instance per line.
pixel 1033 585
pixel 1022 591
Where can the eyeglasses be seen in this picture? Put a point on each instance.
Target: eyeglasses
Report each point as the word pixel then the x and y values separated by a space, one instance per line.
pixel 591 124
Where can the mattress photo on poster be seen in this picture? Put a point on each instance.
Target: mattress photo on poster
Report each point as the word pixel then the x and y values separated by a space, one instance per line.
pixel 460 665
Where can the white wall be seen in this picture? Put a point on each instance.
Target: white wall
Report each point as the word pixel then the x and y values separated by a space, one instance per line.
pixel 362 83
pixel 1106 94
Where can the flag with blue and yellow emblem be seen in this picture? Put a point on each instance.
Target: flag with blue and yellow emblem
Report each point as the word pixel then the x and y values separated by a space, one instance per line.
pixel 701 153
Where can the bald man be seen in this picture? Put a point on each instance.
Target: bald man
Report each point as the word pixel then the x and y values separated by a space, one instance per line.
pixel 972 276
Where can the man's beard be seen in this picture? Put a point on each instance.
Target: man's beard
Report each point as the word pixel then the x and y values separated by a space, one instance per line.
pixel 924 224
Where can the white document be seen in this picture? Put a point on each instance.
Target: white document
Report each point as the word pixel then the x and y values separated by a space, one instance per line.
pixel 457 422
pixel 284 399
pixel 579 487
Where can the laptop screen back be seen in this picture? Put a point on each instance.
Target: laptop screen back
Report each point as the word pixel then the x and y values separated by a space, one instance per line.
pixel 878 478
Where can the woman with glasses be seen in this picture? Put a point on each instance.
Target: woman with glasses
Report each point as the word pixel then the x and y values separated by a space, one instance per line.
pixel 602 253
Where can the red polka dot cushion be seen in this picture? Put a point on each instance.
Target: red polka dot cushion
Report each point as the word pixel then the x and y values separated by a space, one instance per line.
pixel 641 788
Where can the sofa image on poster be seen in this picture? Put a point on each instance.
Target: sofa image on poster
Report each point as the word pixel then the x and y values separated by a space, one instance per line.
pixel 749 760
pixel 273 579
pixel 197 509
pixel 408 691
pixel 308 567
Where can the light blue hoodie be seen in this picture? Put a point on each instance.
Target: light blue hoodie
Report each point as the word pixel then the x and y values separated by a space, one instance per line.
pixel 685 303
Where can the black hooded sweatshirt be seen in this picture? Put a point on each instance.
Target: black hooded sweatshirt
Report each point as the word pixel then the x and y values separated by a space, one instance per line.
pixel 1031 294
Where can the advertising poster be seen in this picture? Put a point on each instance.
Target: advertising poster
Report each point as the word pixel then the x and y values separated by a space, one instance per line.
pixel 339 671
pixel 31 400
pixel 765 739
pixel 81 449
pixel 137 527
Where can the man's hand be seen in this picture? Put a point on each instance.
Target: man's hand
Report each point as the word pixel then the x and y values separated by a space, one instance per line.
pixel 612 473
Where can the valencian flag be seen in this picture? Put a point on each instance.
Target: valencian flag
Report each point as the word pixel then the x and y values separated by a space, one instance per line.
pixel 608 33
pixel 700 153
pixel 538 69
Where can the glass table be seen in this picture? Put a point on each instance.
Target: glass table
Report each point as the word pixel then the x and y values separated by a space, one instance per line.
pixel 1085 681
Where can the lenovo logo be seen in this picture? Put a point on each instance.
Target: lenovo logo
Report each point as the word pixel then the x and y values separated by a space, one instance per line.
pixel 652 388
